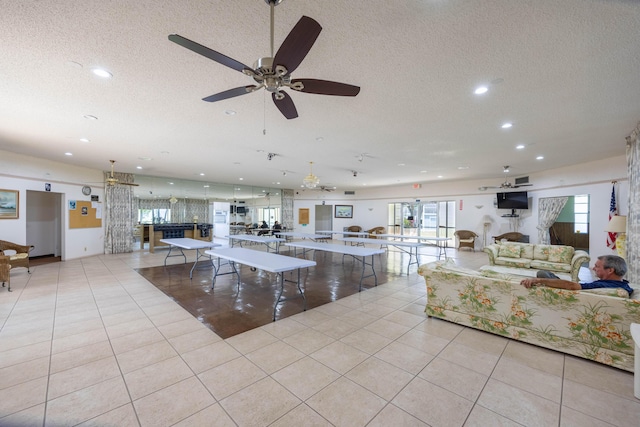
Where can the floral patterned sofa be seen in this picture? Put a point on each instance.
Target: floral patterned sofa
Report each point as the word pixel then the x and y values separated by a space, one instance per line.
pixel 590 324
pixel 556 258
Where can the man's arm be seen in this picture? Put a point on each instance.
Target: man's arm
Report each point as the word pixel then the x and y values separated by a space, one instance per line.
pixel 552 283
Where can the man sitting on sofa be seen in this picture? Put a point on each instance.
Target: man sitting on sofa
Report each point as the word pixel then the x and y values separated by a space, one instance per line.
pixel 610 270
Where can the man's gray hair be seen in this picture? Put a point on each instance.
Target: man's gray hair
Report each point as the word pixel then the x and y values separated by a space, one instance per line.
pixel 618 264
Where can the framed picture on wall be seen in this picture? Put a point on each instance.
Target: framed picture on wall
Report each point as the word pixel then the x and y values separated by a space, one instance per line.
pixel 344 211
pixel 9 204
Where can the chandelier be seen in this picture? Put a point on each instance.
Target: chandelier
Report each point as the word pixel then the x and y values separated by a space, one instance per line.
pixel 173 200
pixel 311 181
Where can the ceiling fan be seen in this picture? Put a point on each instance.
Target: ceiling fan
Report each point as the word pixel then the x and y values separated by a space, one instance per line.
pixel 326 188
pixel 274 72
pixel 111 180
pixel 506 184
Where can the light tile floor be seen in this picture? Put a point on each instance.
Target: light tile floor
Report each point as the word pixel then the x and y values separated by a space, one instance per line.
pixel 90 342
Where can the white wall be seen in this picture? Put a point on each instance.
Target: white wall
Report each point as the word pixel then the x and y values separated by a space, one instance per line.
pixel 24 173
pixel 594 179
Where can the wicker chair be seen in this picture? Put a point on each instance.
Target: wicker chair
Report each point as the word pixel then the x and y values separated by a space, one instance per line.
pixel 376 230
pixel 5 268
pixel 21 256
pixel 354 228
pixel 466 239
pixel 512 236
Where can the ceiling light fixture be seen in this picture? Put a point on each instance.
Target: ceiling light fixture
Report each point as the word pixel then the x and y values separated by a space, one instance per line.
pixel 101 72
pixel 481 90
pixel 507 125
pixel 520 147
pixel 84 139
pixel 173 200
pixel 540 158
pixel 311 181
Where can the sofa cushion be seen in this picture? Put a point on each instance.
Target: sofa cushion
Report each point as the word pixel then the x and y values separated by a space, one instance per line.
pixel 612 292
pixel 18 256
pixel 562 254
pixel 509 251
pixel 526 250
pixel 541 252
pixel 551 266
pixel 513 262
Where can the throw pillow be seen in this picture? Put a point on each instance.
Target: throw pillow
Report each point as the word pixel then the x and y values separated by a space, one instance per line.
pixel 509 251
pixel 612 292
pixel 562 254
pixel 541 252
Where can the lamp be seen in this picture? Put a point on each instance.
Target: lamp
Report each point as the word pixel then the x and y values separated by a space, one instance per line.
pixel 618 224
pixel 311 181
pixel 486 221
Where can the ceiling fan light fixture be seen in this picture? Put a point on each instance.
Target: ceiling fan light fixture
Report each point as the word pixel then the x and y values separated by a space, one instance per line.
pixel 311 181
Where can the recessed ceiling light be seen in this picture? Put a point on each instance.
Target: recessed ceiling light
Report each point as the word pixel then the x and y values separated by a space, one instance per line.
pixel 170 183
pixel 520 147
pixel 201 173
pixel 90 117
pixel 101 72
pixel 138 167
pixel 539 157
pixel 463 168
pixel 401 164
pixel 149 158
pixel 241 179
pixel 506 125
pixel 68 154
pixel 319 139
pixel 206 186
pixel 423 171
pixel 481 90
pixel 84 139
pixel 230 112
pixel 439 176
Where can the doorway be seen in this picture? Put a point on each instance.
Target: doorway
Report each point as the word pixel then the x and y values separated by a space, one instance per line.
pixel 324 217
pixel 44 223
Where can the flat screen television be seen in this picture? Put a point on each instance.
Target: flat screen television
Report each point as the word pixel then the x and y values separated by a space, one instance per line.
pixel 240 210
pixel 513 200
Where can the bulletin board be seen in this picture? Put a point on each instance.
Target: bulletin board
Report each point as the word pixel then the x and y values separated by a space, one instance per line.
pixel 303 216
pixel 84 214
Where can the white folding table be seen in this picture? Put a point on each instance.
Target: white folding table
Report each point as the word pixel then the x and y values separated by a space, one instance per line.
pixel 273 263
pixel 295 234
pixel 438 242
pixel 268 241
pixel 189 244
pixel 354 251
pixel 410 248
pixel 351 233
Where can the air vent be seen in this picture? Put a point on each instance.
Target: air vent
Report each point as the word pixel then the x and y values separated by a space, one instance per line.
pixel 523 180
pixel 349 193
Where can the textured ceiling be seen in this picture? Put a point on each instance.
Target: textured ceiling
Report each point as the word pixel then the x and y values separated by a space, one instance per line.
pixel 566 73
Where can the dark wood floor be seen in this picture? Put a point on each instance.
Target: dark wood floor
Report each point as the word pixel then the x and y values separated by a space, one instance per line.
pixel 229 311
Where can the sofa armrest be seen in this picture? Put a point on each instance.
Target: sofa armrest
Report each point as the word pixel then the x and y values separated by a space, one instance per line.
pixel 20 249
pixel 492 251
pixel 579 258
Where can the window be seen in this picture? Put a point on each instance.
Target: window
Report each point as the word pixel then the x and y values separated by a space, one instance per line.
pixel 154 216
pixel 581 214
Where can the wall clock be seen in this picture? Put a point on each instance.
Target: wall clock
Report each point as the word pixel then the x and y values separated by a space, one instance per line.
pixel 86 190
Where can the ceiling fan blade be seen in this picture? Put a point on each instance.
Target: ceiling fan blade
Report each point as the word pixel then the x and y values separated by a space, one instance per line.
pixel 242 90
pixel 297 44
pixel 522 185
pixel 325 87
pixel 209 53
pixel 285 105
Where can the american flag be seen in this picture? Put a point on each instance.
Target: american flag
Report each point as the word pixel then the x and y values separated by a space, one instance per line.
pixel 613 210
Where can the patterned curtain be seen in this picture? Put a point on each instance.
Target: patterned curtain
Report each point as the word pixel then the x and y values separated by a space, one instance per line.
pixel 633 216
pixel 199 208
pixel 548 211
pixel 153 204
pixel 287 209
pixel 119 215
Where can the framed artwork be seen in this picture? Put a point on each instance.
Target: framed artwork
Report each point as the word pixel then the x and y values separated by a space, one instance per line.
pixel 344 211
pixel 9 204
